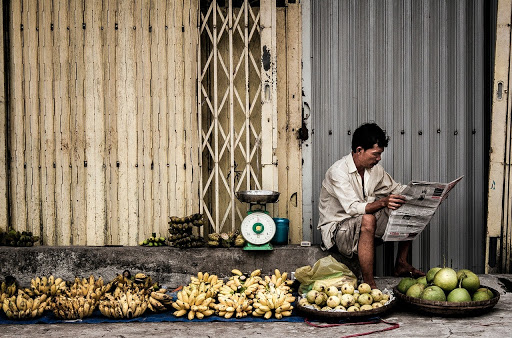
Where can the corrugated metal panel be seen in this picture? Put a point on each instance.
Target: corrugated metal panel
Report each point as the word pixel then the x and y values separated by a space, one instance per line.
pixel 417 68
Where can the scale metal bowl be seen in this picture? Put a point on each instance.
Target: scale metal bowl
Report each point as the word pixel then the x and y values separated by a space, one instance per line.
pixel 257 196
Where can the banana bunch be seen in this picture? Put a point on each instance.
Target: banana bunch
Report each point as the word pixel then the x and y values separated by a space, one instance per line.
pixel 23 306
pixel 127 305
pixel 49 286
pixel 278 280
pixel 89 288
pixel 7 290
pixel 191 301
pixel 236 304
pixel 159 301
pixel 125 282
pixel 154 240
pixel 275 302
pixel 240 283
pixel 73 307
pixel 206 283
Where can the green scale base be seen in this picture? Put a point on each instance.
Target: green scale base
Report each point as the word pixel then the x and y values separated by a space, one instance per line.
pixel 262 247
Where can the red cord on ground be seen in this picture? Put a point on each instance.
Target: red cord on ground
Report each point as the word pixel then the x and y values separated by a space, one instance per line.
pixel 392 327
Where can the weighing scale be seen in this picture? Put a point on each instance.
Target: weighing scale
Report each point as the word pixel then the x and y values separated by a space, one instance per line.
pixel 258 228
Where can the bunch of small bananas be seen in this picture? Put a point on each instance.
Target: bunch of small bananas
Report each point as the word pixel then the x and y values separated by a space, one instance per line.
pixel 278 280
pixel 127 305
pixel 206 283
pixel 49 286
pixel 194 302
pixel 23 306
pixel 154 240
pixel 159 301
pixel 235 304
pixel 225 239
pixel 73 307
pixel 7 290
pixel 273 302
pixel 240 283
pixel 89 288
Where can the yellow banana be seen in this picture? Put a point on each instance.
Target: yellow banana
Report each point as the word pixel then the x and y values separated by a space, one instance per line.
pixel 277 273
pixel 180 313
pixel 191 315
pixel 236 272
pixel 267 315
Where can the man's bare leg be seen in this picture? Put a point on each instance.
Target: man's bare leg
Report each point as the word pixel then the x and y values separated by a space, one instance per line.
pixel 366 249
pixel 402 267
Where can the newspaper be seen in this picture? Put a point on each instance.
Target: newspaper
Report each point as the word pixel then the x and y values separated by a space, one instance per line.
pixel 423 200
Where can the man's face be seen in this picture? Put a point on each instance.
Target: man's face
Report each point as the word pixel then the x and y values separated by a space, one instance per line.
pixel 369 157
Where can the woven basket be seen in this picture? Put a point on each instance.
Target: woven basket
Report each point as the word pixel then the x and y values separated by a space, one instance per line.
pixel 314 313
pixel 445 309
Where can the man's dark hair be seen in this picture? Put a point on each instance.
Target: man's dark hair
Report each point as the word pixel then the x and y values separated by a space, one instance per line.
pixel 367 135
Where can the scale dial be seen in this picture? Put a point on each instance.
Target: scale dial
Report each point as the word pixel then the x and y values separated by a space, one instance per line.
pixel 258 228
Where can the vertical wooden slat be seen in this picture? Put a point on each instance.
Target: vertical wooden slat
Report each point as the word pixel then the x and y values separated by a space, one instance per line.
pixel 47 116
pixel 94 124
pixel 112 174
pixel 79 205
pixel 294 118
pixel 171 105
pixel 3 131
pixel 191 112
pixel 268 94
pixel 154 223
pixel 16 123
pixel 500 126
pixel 179 108
pixel 160 31
pixel 143 119
pixel 282 107
pixel 62 124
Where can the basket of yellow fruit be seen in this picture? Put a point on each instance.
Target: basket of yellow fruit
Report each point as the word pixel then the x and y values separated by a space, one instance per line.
pixel 345 302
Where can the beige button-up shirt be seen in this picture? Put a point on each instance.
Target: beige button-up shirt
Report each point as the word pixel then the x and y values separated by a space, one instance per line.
pixel 342 196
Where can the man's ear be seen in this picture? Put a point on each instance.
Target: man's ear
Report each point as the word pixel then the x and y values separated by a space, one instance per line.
pixel 359 149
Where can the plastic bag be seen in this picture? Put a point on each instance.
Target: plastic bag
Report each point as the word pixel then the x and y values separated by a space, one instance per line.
pixel 326 271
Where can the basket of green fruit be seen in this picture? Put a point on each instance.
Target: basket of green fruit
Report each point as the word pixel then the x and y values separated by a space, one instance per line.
pixel 446 292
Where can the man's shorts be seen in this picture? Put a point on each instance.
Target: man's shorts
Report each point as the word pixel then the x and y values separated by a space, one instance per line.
pixel 346 235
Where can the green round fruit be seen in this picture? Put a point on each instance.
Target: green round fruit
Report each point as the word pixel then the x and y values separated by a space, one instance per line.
pixel 480 295
pixel 431 273
pixel 405 284
pixel 446 279
pixel 459 295
pixel 434 293
pixel 422 280
pixel 470 280
pixel 415 290
pixel 489 292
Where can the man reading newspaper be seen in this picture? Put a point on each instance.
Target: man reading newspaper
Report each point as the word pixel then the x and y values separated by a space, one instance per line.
pixel 355 199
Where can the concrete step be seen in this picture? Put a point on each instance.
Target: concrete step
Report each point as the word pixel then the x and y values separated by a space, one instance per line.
pixel 169 266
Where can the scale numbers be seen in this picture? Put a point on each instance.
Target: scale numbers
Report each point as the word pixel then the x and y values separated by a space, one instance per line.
pixel 258 228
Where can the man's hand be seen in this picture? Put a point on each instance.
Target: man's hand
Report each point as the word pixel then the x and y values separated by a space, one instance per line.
pixel 394 202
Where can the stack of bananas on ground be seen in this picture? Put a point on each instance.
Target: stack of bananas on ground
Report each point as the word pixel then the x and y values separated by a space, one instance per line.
pixel 276 299
pixel 23 306
pixel 194 302
pixel 73 307
pixel 49 286
pixel 7 289
pixel 242 284
pixel 159 301
pixel 237 305
pixel 126 305
pixel 88 288
pixel 210 284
